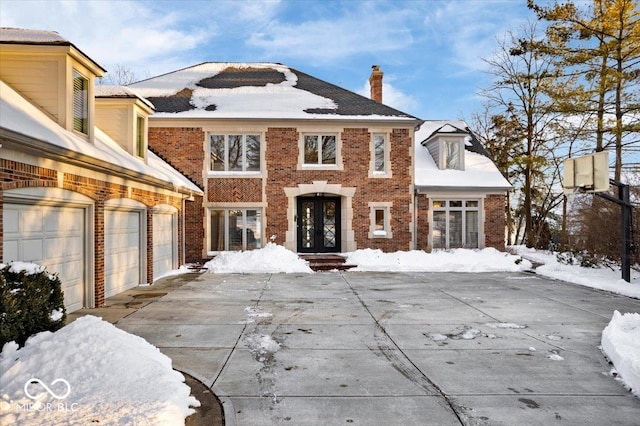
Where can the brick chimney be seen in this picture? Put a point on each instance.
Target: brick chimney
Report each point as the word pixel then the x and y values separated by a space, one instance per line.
pixel 375 81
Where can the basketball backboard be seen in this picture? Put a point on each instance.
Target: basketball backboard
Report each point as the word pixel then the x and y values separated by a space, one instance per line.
pixel 589 173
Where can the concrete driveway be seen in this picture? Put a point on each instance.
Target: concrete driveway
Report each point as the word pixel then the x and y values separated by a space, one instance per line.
pixel 393 348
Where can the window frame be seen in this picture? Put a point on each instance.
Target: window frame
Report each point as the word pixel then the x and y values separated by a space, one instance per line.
pixel 140 139
pixel 463 209
pixel 80 101
pixel 302 164
pixel 243 143
pixel 226 238
pixel 444 153
pixel 386 169
pixel 385 232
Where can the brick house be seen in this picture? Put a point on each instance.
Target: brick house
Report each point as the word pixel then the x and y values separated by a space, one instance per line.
pixel 81 192
pixel 287 157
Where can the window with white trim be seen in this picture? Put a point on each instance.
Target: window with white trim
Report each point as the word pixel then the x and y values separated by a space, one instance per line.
pixel 235 229
pixel 234 153
pixel 140 134
pixel 456 224
pixel 80 103
pixel 380 220
pixel 320 149
pixel 452 154
pixel 380 163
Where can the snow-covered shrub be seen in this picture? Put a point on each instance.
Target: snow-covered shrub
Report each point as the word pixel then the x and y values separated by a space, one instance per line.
pixel 581 258
pixel 31 301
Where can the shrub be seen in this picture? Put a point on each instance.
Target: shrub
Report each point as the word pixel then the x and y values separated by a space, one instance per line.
pixel 31 301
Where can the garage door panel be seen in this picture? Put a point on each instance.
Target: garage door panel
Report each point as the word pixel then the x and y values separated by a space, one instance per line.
pixel 32 250
pixel 31 221
pixel 67 247
pixel 11 220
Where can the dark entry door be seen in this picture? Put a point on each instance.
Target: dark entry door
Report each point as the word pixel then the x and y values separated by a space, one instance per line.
pixel 318 224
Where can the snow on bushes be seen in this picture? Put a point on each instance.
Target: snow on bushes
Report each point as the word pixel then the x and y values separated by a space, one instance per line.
pixel 31 301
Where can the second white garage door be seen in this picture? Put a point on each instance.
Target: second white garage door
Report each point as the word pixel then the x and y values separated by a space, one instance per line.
pixel 121 251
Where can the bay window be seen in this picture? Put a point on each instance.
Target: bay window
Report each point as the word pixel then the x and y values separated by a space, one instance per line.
pixel 235 229
pixel 455 224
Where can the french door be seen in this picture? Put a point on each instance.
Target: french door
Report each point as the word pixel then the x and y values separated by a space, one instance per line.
pixel 318 224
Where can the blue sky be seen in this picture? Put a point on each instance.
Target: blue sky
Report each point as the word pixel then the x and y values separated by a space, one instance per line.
pixel 429 50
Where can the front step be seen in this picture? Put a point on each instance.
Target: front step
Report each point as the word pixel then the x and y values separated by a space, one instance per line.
pixel 326 261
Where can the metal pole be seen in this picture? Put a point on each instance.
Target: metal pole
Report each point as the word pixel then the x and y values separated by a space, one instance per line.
pixel 623 195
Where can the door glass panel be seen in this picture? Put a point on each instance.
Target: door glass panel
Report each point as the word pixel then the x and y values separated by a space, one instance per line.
pixel 217 230
pixel 455 229
pixel 329 223
pixel 308 229
pixel 235 229
pixel 254 225
pixel 471 234
pixel 439 229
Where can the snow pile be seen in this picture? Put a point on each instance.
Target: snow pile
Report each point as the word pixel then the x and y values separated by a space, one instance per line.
pixel 90 372
pixel 272 258
pixel 254 313
pixel 621 344
pixel 262 346
pixel 600 278
pixel 458 260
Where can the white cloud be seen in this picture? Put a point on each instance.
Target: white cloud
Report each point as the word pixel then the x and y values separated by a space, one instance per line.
pixel 122 32
pixel 365 29
pixel 392 97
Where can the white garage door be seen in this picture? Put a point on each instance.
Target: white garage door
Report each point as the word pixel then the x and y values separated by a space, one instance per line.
pixel 121 251
pixel 163 244
pixel 49 236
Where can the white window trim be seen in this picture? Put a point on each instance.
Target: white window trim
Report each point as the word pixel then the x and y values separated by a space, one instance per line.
pixel 377 205
pixel 386 173
pixel 233 173
pixel 447 198
pixel 443 151
pixel 304 166
pixel 244 207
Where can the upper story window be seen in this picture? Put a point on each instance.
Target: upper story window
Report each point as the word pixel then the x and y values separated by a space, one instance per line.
pixel 140 133
pixel 234 153
pixel 320 149
pixel 80 103
pixel 452 157
pixel 380 150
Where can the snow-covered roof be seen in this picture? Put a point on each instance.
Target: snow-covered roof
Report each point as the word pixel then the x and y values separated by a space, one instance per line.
pixel 480 173
pixel 120 92
pixel 10 35
pixel 19 115
pixel 256 90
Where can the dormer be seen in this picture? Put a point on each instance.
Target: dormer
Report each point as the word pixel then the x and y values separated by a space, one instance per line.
pixel 446 145
pixel 124 116
pixel 52 74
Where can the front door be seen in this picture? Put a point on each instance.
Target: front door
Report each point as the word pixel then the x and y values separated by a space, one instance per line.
pixel 318 224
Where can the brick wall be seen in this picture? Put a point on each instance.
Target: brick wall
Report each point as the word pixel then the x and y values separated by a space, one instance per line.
pixel 234 190
pixel 14 175
pixel 182 147
pixel 495 221
pixel 422 221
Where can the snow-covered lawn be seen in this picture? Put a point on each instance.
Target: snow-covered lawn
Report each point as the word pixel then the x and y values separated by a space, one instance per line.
pixel 90 372
pixel 601 278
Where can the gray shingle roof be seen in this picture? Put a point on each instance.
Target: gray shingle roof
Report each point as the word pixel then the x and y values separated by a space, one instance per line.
pixel 211 87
